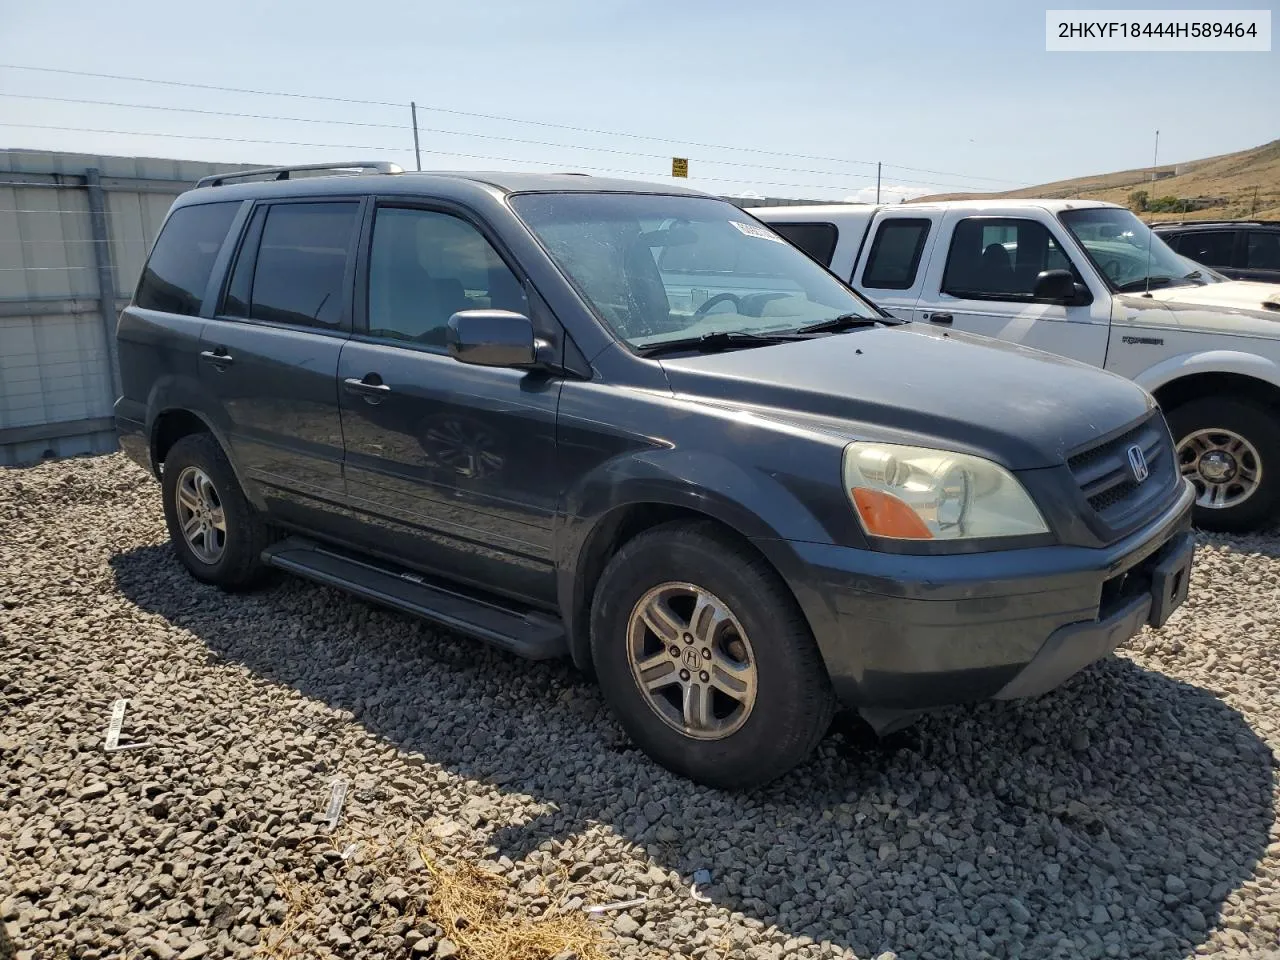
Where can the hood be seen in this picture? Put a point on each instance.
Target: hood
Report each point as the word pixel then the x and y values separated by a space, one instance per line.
pixel 1230 293
pixel 915 384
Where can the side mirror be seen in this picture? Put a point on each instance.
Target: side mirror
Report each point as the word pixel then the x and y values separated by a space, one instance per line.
pixel 491 338
pixel 1058 286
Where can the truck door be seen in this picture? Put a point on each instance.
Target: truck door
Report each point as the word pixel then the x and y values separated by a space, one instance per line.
pixel 981 280
pixel 893 261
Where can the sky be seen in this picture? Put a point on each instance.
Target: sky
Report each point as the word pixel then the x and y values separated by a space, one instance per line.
pixel 795 99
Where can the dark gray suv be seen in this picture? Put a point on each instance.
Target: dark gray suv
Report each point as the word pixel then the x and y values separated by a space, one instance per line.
pixel 630 424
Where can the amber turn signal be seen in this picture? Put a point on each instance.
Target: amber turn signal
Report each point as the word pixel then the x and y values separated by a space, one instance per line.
pixel 884 515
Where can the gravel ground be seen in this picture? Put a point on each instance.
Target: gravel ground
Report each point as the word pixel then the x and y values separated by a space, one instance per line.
pixel 1132 813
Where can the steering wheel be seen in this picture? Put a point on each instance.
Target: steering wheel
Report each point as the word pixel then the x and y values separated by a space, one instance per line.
pixel 711 302
pixel 1112 269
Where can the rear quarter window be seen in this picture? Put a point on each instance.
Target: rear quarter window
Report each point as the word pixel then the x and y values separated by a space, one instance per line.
pixel 178 269
pixel 818 240
pixel 895 254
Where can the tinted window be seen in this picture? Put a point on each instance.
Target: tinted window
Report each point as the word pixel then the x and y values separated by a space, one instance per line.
pixel 302 260
pixel 1264 251
pixel 895 254
pixel 1213 248
pixel 1000 259
pixel 425 267
pixel 179 267
pixel 240 288
pixel 818 240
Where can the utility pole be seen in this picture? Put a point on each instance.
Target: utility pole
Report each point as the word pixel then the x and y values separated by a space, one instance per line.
pixel 877 181
pixel 1155 153
pixel 417 154
pixel 1253 207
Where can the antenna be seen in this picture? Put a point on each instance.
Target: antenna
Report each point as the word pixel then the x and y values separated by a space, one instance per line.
pixel 1151 233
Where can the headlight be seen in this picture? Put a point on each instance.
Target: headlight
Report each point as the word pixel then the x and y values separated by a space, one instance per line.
pixel 915 493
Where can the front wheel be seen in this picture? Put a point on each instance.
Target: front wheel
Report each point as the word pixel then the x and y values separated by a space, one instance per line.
pixel 705 658
pixel 1230 451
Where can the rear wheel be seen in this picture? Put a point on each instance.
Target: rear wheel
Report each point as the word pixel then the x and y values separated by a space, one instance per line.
pixel 216 532
pixel 705 658
pixel 1230 451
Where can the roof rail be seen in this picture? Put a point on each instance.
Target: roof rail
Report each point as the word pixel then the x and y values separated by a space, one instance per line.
pixel 283 173
pixel 1206 222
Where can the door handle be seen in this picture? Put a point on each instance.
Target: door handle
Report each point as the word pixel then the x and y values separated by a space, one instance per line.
pixel 371 387
pixel 944 318
pixel 219 357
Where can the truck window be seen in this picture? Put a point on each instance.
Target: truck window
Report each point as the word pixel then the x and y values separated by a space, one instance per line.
pixel 300 266
pixel 895 254
pixel 1000 258
pixel 178 270
pixel 818 240
pixel 1264 251
pixel 1213 248
pixel 426 266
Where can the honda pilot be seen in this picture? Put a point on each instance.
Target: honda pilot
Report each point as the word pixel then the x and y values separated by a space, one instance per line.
pixel 629 424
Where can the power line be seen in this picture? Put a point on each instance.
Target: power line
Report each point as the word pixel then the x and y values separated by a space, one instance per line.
pixel 397 149
pixel 498 117
pixel 437 130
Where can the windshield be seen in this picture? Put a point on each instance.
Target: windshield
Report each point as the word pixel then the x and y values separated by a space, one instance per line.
pixel 658 268
pixel 1117 243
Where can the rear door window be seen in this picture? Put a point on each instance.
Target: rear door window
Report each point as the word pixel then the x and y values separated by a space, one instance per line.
pixel 178 269
pixel 895 254
pixel 818 240
pixel 298 276
pixel 1213 248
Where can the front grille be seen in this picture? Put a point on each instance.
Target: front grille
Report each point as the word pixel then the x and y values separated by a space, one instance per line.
pixel 1107 482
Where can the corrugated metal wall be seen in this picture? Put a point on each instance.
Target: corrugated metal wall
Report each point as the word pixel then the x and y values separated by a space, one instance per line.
pixel 57 383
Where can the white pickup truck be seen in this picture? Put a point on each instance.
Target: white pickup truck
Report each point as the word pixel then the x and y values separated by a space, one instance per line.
pixel 1089 281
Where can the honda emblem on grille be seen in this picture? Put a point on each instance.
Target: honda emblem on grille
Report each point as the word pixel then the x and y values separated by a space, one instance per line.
pixel 1138 463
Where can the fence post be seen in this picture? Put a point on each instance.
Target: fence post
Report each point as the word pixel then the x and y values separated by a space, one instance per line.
pixel 106 273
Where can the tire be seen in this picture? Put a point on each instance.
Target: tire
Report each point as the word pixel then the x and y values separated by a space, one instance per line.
pixel 793 704
pixel 1208 425
pixel 232 557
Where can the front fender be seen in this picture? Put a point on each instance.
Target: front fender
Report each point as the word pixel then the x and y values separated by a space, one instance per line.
pixel 754 503
pixel 1209 361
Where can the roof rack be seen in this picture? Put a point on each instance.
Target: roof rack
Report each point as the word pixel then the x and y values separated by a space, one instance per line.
pixel 283 173
pixel 1196 223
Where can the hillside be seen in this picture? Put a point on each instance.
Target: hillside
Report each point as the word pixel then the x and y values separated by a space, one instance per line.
pixel 1221 187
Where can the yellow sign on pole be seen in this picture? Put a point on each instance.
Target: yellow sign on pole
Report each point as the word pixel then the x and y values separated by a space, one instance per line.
pixel 680 166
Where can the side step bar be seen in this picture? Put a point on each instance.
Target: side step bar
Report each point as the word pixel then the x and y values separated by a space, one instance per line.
pixel 526 633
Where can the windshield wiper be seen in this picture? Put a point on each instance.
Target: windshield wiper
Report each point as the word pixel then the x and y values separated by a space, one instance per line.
pixel 711 342
pixel 846 321
pixel 1142 283
pixel 1196 275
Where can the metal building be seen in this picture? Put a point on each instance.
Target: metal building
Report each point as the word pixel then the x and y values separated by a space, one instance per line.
pixel 74 232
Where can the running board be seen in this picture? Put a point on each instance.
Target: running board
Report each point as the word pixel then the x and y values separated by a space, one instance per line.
pixel 526 633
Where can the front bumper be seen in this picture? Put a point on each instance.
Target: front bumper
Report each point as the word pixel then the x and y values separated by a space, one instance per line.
pixel 907 633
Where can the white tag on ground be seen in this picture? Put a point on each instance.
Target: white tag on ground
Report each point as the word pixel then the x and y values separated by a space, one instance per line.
pixel 113 728
pixel 337 793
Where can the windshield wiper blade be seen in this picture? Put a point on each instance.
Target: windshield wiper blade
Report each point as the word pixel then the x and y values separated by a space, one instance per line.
pixel 1142 283
pixel 721 340
pixel 846 321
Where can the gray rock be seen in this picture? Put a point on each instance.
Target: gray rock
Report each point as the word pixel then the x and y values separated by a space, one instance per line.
pixel 625 925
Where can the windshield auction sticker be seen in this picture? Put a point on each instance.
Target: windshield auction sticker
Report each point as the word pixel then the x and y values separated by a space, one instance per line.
pixel 1182 31
pixel 757 231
